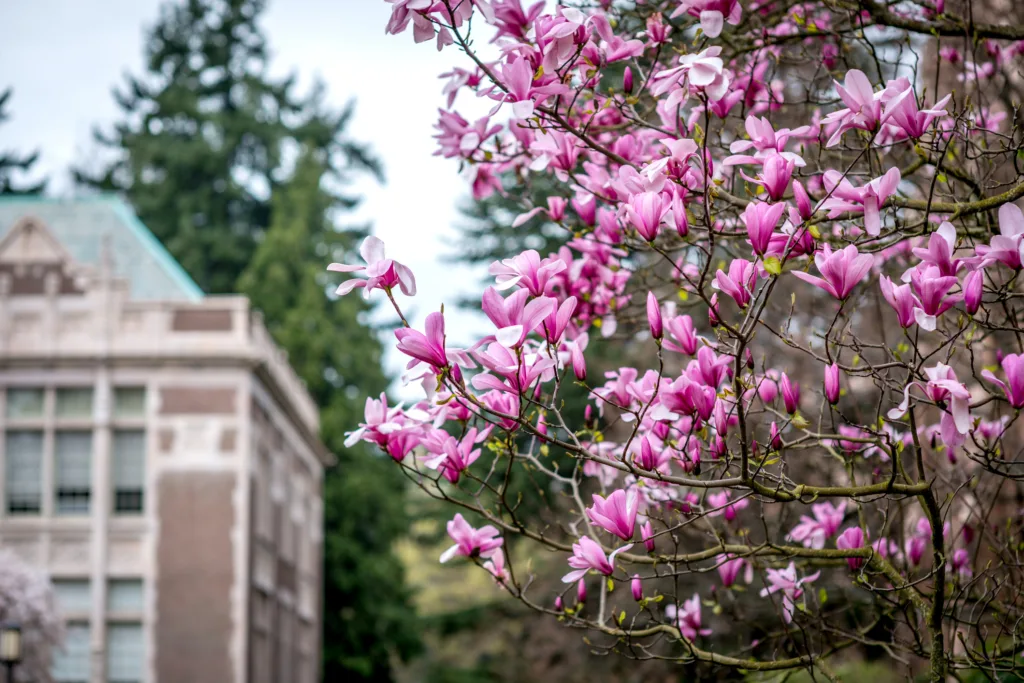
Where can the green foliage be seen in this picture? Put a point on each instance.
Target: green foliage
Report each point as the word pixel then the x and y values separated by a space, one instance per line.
pixel 12 163
pixel 207 135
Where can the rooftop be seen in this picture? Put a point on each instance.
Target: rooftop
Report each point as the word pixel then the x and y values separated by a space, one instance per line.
pixel 82 225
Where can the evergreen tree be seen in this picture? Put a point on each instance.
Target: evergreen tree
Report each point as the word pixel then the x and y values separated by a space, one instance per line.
pixel 206 135
pixel 241 180
pixel 12 163
pixel 367 615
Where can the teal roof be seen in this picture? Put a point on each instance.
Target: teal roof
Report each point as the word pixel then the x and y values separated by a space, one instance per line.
pixel 80 225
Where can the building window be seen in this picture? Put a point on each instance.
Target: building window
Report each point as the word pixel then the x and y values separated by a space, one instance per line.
pixel 73 472
pixel 24 404
pixel 71 664
pixel 124 653
pixel 24 472
pixel 74 404
pixel 74 596
pixel 129 465
pixel 129 403
pixel 124 596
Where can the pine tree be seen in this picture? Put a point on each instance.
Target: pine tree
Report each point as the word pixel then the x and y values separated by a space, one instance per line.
pixel 12 163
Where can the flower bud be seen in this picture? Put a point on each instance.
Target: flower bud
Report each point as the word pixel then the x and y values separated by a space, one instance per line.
pixel 647 535
pixel 973 288
pixel 654 316
pixel 748 358
pixel 559 605
pixel 832 383
pixel 790 394
pixel 627 81
pixel 775 441
pixel 850 539
pixel 638 588
pixel 713 311
pixel 581 591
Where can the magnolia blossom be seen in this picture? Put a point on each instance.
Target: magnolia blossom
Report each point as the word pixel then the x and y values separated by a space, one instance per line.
pixel 615 514
pixel 813 532
pixel 942 386
pixel 841 270
pixel 469 542
pixel 785 581
pixel 587 555
pixel 867 199
pixel 687 618
pixel 381 273
pixel 1013 387
pixel 852 539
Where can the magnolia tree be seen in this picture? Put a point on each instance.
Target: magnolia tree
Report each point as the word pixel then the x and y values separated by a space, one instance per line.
pixel 793 226
pixel 27 599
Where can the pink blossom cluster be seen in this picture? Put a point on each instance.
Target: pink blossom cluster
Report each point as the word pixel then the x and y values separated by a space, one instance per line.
pixel 808 299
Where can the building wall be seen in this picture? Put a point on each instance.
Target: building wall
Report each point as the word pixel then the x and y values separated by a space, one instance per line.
pixel 220 568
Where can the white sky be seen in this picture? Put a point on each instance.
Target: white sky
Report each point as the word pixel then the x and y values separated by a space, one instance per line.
pixel 64 56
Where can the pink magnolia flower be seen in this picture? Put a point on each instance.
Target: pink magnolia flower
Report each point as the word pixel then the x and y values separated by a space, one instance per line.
pixel 851 539
pixel 942 387
pixel 766 141
pixel 578 360
pixel 428 347
pixel 555 325
pixel 902 110
pixel 1008 246
pixel 730 569
pixel 962 563
pixel 841 270
pixel 867 199
pixel 683 338
pixel 974 289
pixel 688 618
pixel 637 587
pixel 496 567
pixel 517 77
pixel 721 505
pixel 813 532
pixel 761 220
pixel 832 383
pixel 459 139
pixel 647 535
pixel 654 320
pixel 739 283
pixel 901 299
pixel 864 107
pixel 381 421
pixel 645 212
pixel 785 581
pixel 615 514
pixel 1013 387
pixel 790 393
pixel 381 273
pixel 939 253
pixel 527 270
pixel 469 542
pixel 513 316
pixel 933 298
pixel 455 455
pixel 712 14
pixel 587 555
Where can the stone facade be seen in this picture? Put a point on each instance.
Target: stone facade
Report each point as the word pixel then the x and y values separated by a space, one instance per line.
pixel 160 459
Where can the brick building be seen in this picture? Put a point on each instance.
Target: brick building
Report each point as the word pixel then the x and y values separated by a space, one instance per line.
pixel 158 457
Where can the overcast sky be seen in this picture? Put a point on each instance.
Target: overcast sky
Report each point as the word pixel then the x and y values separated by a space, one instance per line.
pixel 63 57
